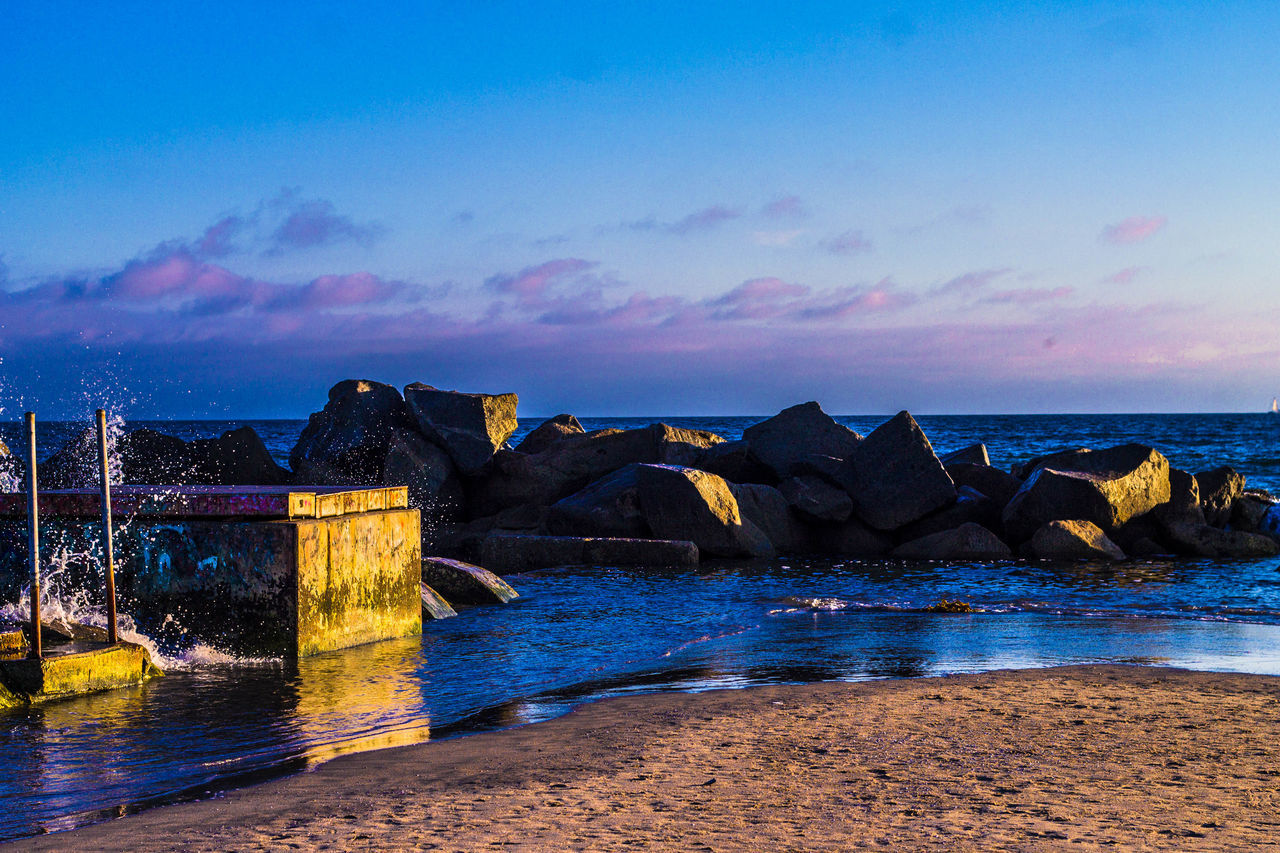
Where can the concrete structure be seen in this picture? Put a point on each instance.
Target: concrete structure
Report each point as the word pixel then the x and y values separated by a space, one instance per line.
pixel 252 570
pixel 72 670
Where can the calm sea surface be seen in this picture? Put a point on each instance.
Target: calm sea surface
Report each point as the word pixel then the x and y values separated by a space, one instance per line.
pixel 585 633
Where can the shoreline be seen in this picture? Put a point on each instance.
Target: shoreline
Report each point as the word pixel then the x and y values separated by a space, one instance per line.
pixel 1102 755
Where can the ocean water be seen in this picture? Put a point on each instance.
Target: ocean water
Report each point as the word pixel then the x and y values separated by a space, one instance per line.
pixel 583 633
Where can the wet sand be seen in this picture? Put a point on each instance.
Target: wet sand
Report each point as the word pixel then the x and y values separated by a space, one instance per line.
pixel 1073 758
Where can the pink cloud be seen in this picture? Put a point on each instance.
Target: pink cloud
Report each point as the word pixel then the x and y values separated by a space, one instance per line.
pixel 1124 276
pixel 704 219
pixel 532 284
pixel 313 224
pixel 847 243
pixel 1135 229
pixel 970 282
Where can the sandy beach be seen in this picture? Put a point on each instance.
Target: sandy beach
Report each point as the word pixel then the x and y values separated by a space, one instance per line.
pixel 1079 757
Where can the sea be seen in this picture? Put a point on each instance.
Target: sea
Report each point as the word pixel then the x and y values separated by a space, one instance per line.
pixel 575 635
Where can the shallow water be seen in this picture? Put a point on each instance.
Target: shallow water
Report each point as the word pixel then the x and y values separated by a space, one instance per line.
pixel 584 633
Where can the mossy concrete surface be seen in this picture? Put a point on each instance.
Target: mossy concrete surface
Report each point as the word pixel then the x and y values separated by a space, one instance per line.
pixel 73 672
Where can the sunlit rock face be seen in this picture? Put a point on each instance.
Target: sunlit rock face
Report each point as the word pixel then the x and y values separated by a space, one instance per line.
pixel 1105 487
pixel 471 428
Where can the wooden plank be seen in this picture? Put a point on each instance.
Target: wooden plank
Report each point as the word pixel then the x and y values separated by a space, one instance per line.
pixel 205 501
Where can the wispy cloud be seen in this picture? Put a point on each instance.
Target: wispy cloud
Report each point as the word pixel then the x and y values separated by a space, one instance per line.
pixel 847 243
pixel 1135 229
pixel 787 207
pixel 315 223
pixel 778 239
pixel 700 220
pixel 1124 276
pixel 1027 295
pixel 969 283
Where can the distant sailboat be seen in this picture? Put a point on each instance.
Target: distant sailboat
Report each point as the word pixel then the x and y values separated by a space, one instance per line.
pixel 1275 405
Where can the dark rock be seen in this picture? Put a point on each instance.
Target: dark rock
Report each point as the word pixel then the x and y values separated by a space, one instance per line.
pixel 850 538
pixel 793 434
pixel 974 454
pixel 734 461
pixel 1145 546
pixel 817 498
pixel 346 442
pixel 688 504
pixel 996 484
pixel 521 553
pixel 470 427
pixel 827 468
pixel 1204 540
pixel 549 432
pixel 1049 460
pixel 1219 489
pixel 893 476
pixel 971 507
pixel 1074 539
pixel 967 542
pixel 1105 487
pixel 567 466
pixel 1183 506
pixel 1249 510
pixel 1269 525
pixel 434 484
pixel 608 507
pixel 463 583
pixel 434 606
pixel 237 458
pixel 766 508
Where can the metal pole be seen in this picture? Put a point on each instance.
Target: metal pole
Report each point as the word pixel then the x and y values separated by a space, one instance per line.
pixel 108 552
pixel 33 521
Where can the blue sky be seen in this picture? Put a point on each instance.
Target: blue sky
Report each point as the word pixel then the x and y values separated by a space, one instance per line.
pixel 612 208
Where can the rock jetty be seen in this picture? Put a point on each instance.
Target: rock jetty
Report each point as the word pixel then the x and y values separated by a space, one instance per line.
pixel 798 483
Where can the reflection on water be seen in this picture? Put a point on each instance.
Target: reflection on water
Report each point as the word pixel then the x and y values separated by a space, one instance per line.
pixel 579 634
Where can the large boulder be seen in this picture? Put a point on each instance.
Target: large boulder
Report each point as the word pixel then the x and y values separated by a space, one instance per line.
pixel 685 503
pixel 766 508
pixel 996 484
pixel 470 427
pixel 1073 539
pixel 508 553
pixel 143 456
pixel 850 538
pixel 969 541
pixel 236 458
pixel 608 507
pixel 1219 489
pixel 1249 510
pixel 1204 540
pixel 1105 487
pixel 1048 460
pixel 549 432
pixel 568 465
pixel 894 477
pixel 1269 523
pixel 795 433
pixel 434 484
pixel 1183 506
pixel 346 443
pixel 817 498
pixel 973 454
pixel 970 507
pixel 734 461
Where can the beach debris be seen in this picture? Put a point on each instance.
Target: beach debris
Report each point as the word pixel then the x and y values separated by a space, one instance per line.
pixel 464 583
pixel 434 606
pixel 945 605
pixel 1073 539
pixel 894 477
pixel 471 428
pixel 969 541
pixel 549 432
pixel 781 442
pixel 1105 487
